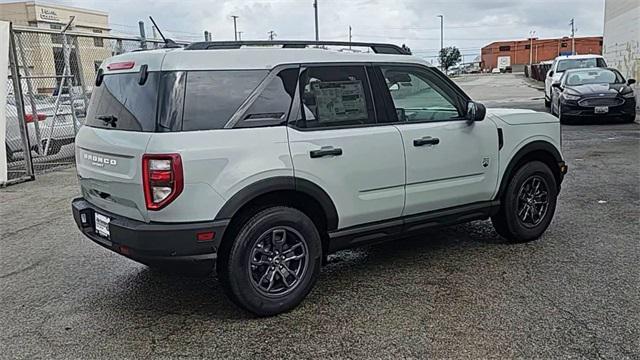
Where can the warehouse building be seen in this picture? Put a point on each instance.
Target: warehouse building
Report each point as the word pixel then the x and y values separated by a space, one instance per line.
pixel 518 53
pixel 622 38
pixel 43 51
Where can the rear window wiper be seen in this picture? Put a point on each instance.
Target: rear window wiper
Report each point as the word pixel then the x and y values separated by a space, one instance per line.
pixel 108 119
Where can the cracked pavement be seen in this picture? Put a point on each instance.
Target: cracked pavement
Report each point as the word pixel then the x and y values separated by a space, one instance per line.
pixel 458 292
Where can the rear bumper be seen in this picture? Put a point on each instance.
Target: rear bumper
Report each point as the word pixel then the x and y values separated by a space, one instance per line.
pixel 146 242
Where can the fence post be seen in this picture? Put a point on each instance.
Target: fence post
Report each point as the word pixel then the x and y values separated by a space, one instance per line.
pixel 143 38
pixel 67 66
pixel 32 102
pixel 83 85
pixel 17 93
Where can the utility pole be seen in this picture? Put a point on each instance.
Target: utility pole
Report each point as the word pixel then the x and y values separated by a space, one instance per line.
pixel 315 9
pixel 573 36
pixel 441 34
pixel 532 33
pixel 240 35
pixel 235 27
pixel 272 35
pixel 349 37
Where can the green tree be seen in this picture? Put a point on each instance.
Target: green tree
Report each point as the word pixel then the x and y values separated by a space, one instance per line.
pixel 449 57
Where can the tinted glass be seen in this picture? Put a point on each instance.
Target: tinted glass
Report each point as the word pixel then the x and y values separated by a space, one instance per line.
pixel 579 63
pixel 593 76
pixel 335 96
pixel 417 97
pixel 123 104
pixel 171 104
pixel 212 97
pixel 272 106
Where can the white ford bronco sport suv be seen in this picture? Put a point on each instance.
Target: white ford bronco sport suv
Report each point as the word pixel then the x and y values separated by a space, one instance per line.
pixel 267 156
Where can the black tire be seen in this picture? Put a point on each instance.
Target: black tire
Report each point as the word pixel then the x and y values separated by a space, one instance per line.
pixel 508 222
pixel 630 118
pixel 267 285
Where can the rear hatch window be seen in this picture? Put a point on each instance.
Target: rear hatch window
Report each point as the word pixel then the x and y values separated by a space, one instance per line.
pixel 121 103
pixel 171 101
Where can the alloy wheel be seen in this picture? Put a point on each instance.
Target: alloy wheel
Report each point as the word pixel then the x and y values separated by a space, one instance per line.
pixel 278 261
pixel 533 201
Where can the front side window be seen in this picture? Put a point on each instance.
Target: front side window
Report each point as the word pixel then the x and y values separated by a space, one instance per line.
pixel 335 96
pixel 212 97
pixel 417 97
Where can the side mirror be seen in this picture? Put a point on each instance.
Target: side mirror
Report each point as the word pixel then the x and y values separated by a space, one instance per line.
pixel 475 112
pixel 631 81
pixel 557 85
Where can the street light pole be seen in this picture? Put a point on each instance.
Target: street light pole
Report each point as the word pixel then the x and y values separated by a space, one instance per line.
pixel 532 33
pixel 235 27
pixel 315 9
pixel 349 37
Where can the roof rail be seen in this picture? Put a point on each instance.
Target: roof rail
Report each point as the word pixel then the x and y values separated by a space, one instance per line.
pixel 298 44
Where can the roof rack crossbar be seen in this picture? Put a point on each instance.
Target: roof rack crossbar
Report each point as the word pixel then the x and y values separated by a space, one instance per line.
pixel 378 48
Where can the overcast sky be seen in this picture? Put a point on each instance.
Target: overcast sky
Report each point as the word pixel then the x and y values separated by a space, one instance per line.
pixel 468 24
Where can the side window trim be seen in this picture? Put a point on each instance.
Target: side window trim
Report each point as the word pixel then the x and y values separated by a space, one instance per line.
pixel 461 98
pixel 297 115
pixel 246 105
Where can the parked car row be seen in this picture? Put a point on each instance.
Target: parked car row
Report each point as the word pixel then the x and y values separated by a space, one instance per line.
pixel 582 86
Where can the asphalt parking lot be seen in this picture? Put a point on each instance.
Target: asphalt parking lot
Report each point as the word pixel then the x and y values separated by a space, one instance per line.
pixel 458 292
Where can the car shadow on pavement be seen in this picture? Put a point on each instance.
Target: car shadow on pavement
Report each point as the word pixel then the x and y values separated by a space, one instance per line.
pixel 201 297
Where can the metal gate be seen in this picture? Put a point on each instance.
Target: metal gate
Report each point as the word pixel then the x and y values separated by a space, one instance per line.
pixel 50 83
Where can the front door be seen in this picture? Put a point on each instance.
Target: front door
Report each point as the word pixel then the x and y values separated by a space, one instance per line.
pixel 336 143
pixel 450 162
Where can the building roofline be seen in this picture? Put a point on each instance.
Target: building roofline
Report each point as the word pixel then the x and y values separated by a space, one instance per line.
pixel 57 6
pixel 544 39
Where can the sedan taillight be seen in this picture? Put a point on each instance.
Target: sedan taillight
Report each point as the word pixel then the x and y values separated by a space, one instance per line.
pixel 162 179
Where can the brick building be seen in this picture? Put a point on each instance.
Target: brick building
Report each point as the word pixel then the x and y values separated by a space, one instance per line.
pixel 518 53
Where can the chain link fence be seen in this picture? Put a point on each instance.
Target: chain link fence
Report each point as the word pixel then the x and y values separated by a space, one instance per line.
pixel 50 84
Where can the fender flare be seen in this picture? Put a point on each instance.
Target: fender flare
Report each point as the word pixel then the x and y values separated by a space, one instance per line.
pixel 538 145
pixel 265 186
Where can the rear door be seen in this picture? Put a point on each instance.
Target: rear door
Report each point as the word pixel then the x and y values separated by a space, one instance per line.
pixel 449 161
pixel 336 143
pixel 120 121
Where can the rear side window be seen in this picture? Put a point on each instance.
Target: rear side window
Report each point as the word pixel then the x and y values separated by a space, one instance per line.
pixel 335 96
pixel 272 105
pixel 121 103
pixel 212 97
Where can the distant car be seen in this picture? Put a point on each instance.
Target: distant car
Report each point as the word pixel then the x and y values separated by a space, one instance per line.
pixel 61 134
pixel 601 92
pixel 495 71
pixel 567 62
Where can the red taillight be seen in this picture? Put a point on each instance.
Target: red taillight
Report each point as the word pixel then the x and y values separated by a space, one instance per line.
pixel 28 118
pixel 121 65
pixel 162 179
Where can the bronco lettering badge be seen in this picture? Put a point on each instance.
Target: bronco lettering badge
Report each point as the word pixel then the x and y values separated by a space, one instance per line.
pixel 100 161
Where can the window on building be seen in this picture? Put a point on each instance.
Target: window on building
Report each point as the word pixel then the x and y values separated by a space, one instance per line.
pixel 505 48
pixel 98 41
pixel 563 45
pixel 527 46
pixel 56 38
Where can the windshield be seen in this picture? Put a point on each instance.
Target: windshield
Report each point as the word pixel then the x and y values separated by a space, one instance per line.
pixel 593 76
pixel 580 63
